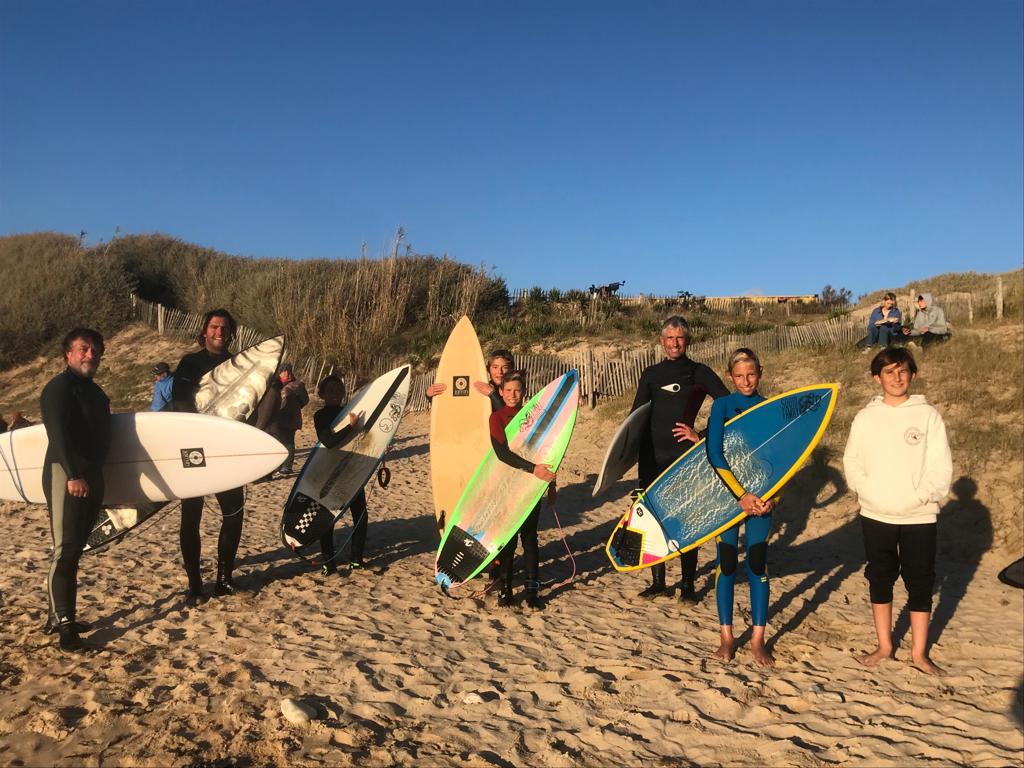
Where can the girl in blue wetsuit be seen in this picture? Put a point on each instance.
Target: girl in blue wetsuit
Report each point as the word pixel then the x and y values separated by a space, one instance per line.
pixel 745 374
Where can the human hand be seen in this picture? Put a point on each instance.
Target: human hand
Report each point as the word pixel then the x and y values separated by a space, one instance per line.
pixel 543 472
pixel 483 388
pixel 683 432
pixel 436 389
pixel 78 488
pixel 750 504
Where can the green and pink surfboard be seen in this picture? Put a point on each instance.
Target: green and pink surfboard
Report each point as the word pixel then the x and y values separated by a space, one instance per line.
pixel 499 498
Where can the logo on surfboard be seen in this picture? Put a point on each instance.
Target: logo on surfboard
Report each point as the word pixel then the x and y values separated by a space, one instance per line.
pixel 460 386
pixel 193 457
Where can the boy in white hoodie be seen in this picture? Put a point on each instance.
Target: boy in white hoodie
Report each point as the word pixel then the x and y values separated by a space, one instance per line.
pixel 898 463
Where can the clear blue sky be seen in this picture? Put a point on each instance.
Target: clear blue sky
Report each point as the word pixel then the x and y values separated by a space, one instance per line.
pixel 716 147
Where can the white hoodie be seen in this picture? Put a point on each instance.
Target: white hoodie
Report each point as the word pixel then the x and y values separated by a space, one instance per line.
pixel 897 461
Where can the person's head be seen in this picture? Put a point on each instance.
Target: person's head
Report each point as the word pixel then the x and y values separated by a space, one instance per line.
pixel 675 335
pixel 744 371
pixel 499 363
pixel 284 373
pixel 83 348
pixel 894 369
pixel 219 328
pixel 512 388
pixel 889 301
pixel 161 371
pixel 332 390
pixel 924 300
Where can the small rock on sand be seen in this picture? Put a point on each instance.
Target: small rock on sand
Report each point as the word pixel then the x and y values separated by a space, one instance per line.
pixel 296 712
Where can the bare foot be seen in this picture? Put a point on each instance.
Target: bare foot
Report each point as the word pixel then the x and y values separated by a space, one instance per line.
pixel 761 655
pixel 872 659
pixel 929 667
pixel 727 650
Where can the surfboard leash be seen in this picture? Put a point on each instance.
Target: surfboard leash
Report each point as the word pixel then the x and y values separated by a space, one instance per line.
pixel 568 550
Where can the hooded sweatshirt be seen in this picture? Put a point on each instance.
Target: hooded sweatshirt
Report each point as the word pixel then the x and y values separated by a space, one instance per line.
pixel 931 317
pixel 897 461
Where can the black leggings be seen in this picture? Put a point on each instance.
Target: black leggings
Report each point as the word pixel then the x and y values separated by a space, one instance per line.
pixel 359 522
pixel 906 551
pixel 531 551
pixel 71 520
pixel 232 515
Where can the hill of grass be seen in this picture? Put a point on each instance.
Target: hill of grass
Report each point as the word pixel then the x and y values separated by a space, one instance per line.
pixel 354 313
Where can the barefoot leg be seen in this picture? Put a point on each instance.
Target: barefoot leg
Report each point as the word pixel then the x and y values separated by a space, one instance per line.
pixel 919 644
pixel 882 615
pixel 727 648
pixel 758 648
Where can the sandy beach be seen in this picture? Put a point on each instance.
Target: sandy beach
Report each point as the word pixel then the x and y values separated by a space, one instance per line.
pixel 397 673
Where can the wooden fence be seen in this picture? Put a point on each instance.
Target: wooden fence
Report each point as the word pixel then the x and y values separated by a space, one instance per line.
pixel 602 374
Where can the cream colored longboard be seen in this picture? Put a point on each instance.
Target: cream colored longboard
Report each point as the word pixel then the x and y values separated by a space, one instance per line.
pixel 459 437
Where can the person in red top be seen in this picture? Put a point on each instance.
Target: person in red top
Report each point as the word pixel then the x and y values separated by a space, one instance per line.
pixel 512 389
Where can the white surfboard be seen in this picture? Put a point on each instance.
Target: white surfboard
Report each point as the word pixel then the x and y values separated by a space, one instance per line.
pixel 152 457
pixel 233 390
pixel 331 477
pixel 624 449
pixel 235 387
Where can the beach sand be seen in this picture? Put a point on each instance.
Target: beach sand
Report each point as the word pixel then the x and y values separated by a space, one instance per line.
pixel 400 674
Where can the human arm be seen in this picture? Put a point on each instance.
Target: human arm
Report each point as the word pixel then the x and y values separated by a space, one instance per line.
pixel 268 407
pixel 185 384
pixel 938 462
pixel 55 403
pixel 344 435
pixel 937 321
pixel 507 456
pixel 854 467
pixel 643 392
pixel 715 448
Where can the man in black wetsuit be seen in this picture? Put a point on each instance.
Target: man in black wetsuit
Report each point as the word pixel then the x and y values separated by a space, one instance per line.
pixel 218 330
pixel 676 388
pixel 76 414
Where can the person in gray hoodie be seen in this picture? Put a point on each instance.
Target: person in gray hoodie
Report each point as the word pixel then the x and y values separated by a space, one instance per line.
pixel 929 322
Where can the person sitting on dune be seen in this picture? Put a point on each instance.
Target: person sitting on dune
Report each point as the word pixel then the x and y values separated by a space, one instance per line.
pixel 929 322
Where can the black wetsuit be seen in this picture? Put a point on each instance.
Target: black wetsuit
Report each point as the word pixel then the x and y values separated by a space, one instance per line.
pixel 186 380
pixel 322 420
pixel 528 530
pixel 676 389
pixel 76 414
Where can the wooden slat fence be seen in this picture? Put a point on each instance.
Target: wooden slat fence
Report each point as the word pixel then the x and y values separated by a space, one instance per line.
pixel 602 374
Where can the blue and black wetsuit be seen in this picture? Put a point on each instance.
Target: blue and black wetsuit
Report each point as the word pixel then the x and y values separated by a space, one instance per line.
pixel 190 370
pixel 323 420
pixel 756 528
pixel 76 414
pixel 676 390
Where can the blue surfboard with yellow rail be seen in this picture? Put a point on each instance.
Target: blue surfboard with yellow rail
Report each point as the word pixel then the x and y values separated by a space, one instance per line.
pixel 689 504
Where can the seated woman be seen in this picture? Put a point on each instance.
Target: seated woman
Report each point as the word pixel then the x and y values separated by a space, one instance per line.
pixel 885 322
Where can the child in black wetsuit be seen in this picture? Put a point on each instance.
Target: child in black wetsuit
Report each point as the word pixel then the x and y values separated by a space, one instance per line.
pixel 332 392
pixel 512 390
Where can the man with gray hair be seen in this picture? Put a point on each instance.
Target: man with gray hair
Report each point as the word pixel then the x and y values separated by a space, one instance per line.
pixel 676 389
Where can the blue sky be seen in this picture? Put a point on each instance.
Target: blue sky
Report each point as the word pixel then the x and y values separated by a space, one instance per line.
pixel 712 147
